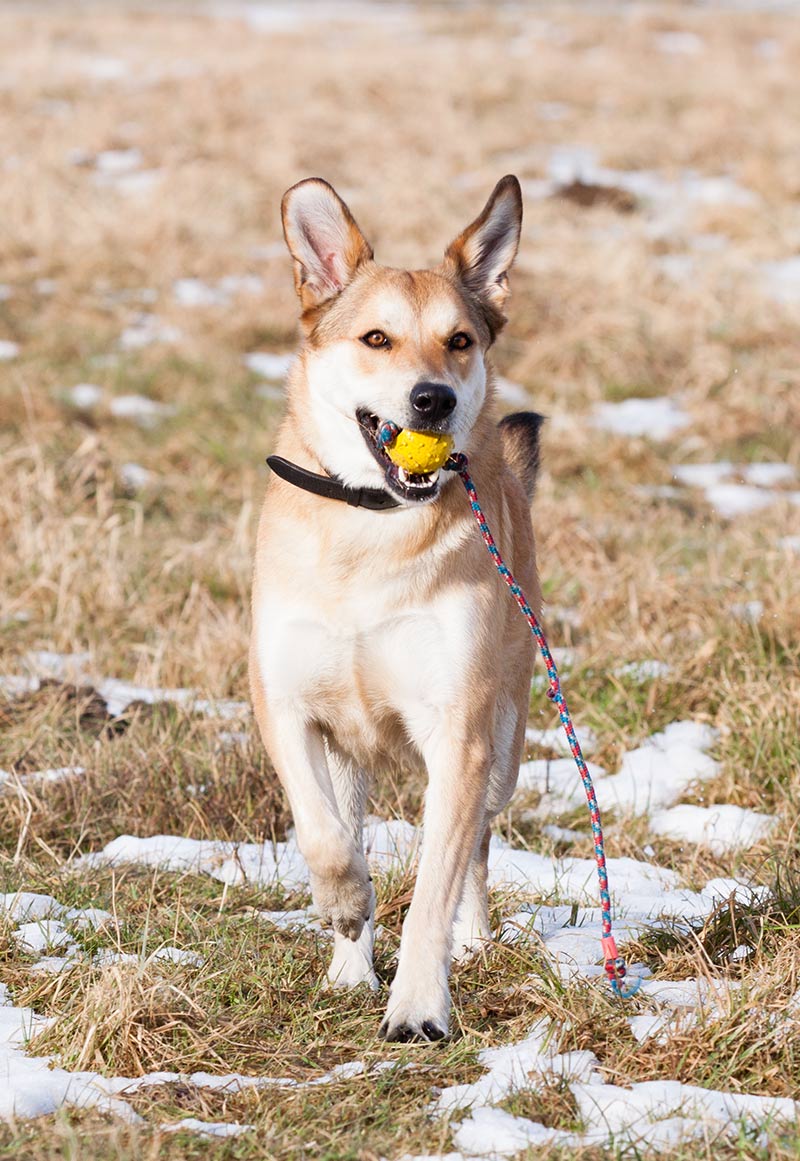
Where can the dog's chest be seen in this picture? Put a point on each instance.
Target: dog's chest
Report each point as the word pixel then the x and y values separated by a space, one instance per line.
pixel 364 654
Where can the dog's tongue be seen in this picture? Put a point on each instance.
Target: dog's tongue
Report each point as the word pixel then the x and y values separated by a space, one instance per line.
pixel 418 452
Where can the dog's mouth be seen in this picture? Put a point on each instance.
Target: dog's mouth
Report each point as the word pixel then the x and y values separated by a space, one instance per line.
pixel 413 487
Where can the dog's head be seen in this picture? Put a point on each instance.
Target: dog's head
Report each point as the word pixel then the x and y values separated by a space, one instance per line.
pixel 384 344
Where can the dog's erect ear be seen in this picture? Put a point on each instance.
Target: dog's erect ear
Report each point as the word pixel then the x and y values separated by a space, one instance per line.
pixel 323 239
pixel 482 255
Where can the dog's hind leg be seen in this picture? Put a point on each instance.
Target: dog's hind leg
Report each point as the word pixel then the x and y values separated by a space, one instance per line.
pixel 352 959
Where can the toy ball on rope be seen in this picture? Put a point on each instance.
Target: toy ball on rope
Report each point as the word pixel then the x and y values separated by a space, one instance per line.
pixel 417 452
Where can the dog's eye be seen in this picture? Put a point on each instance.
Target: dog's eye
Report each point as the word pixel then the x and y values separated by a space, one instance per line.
pixel 376 340
pixel 460 341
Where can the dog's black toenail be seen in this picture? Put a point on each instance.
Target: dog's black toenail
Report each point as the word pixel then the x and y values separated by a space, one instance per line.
pixel 400 1034
pixel 432 1031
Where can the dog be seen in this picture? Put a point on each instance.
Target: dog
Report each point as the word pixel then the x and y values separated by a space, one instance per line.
pixel 380 629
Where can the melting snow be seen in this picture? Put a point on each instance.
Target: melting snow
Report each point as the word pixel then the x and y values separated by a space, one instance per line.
pixel 556 739
pixel 658 418
pixel 207 1128
pixel 139 408
pixel 781 280
pixel 720 828
pixel 115 161
pixel 641 671
pixel 85 396
pixel 269 364
pixel 8 350
pixel 193 292
pixel 731 499
pixel 147 330
pixel 135 477
pixel 680 43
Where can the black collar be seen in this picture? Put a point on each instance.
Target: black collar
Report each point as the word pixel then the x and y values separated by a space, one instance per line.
pixel 332 489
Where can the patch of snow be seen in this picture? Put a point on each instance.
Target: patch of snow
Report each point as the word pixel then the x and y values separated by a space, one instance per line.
pixel 641 671
pixel 730 500
pixel 142 181
pixel 29 906
pixel 193 292
pixel 553 111
pixel 780 280
pixel 17 684
pixel 790 543
pixel 86 918
pixel 116 161
pixel 555 739
pixel 680 43
pixel 207 1128
pixel 42 934
pixel 562 834
pixel 145 331
pixel 305 918
pixel 651 776
pixel 269 364
pixel 54 964
pixel 59 774
pixel 720 828
pixel 676 267
pixel 105 68
pixel 220 708
pixel 8 350
pixel 60 666
pixel 768 48
pixel 146 412
pixel 702 475
pixel 178 955
pixel 751 611
pixel 108 957
pixel 512 393
pixel 135 477
pixel 267 251
pixel 493 1132
pixel 767 475
pixel 85 396
pixel 233 739
pixel 658 418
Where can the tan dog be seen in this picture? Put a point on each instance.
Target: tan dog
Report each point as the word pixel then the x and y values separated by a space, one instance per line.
pixel 381 631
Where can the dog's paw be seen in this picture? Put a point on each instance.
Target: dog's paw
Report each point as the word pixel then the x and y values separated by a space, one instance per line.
pixel 417 1014
pixel 404 1032
pixel 345 901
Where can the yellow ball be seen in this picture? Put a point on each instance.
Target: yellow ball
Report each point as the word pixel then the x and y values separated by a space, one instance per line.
pixel 420 452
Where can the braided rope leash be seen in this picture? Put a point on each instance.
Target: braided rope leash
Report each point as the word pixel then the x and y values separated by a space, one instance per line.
pixel 614 963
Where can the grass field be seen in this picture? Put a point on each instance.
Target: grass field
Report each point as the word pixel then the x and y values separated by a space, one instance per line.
pixel 144 150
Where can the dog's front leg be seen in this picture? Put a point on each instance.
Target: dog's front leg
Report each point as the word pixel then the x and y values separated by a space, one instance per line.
pixel 419 1002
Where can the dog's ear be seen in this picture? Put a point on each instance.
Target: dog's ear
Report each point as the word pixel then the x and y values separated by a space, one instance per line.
pixel 482 255
pixel 323 239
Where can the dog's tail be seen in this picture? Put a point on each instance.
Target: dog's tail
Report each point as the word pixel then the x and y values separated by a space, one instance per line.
pixel 520 437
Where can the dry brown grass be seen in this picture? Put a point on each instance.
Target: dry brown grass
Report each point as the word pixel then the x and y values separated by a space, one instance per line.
pixel 413 120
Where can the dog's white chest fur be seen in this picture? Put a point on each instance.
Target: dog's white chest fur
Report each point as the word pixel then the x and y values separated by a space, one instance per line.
pixel 368 656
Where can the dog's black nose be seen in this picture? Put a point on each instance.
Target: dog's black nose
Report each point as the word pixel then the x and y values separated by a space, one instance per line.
pixel 432 401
